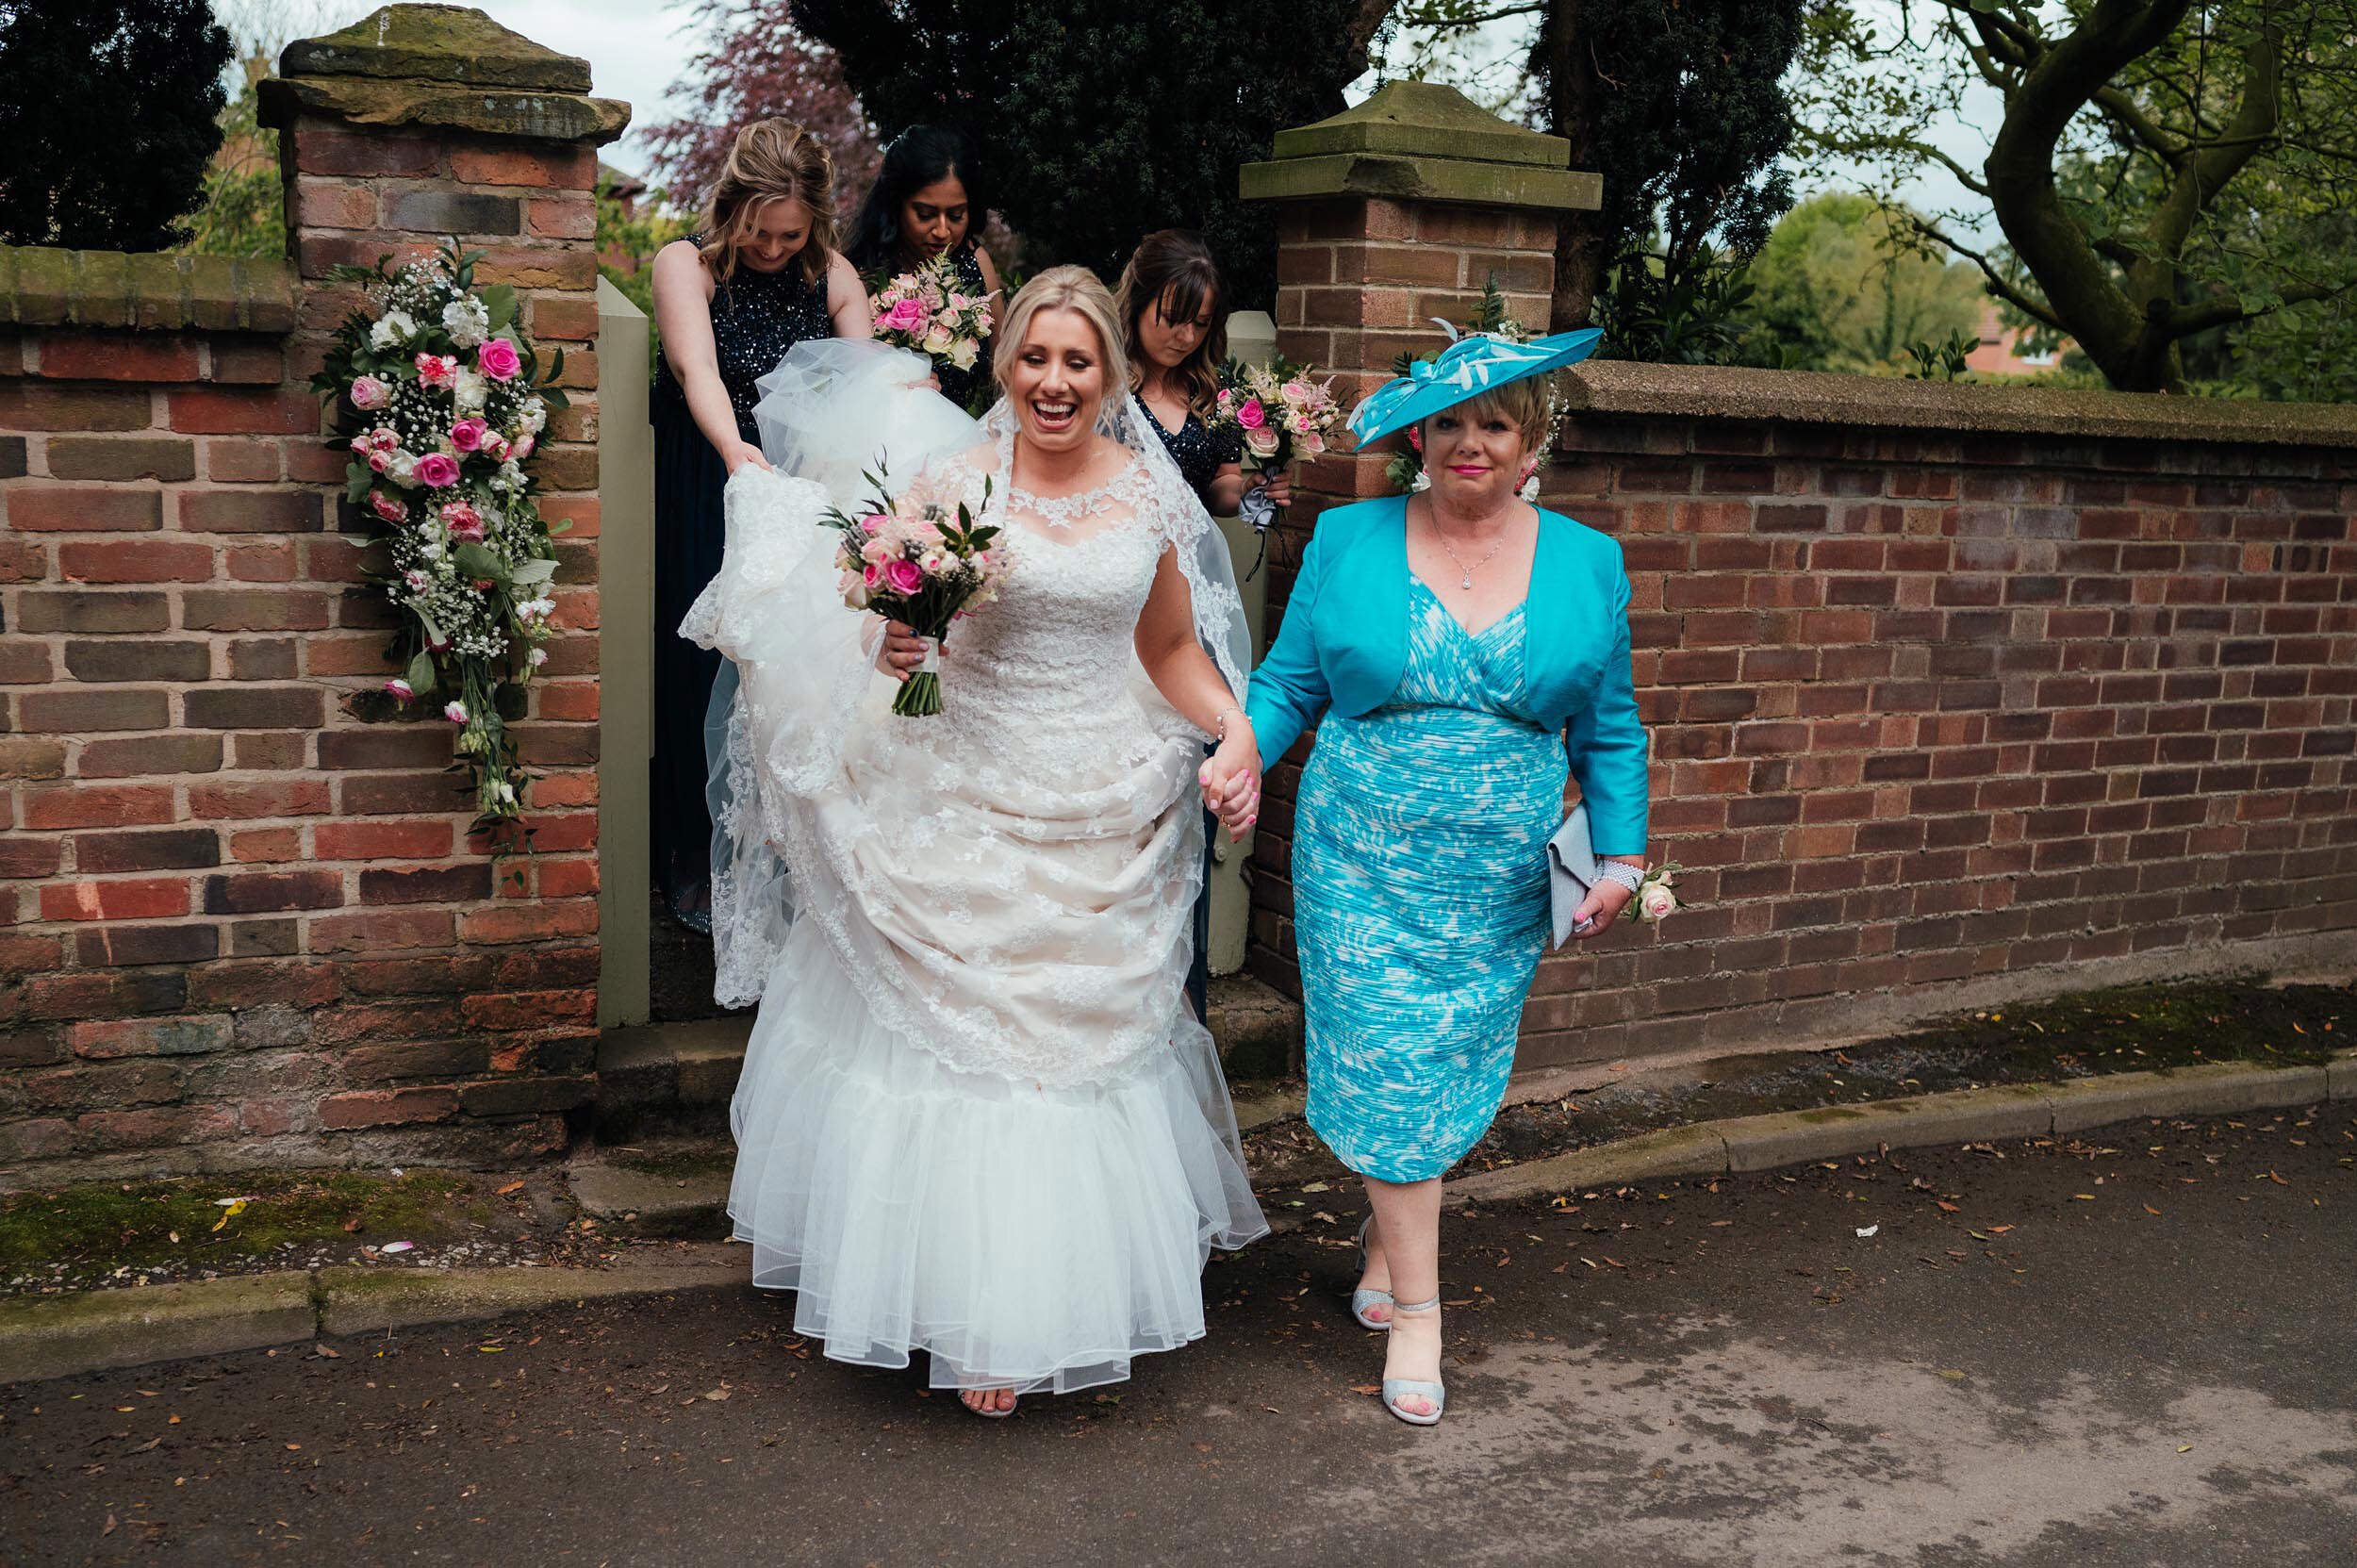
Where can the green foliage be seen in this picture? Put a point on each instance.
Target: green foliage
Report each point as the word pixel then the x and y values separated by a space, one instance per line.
pixel 1699 316
pixel 1100 120
pixel 1681 107
pixel 1943 360
pixel 106 118
pixel 2202 181
pixel 1846 283
pixel 244 210
pixel 628 238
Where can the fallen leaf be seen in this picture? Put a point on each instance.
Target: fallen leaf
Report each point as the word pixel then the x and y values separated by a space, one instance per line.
pixel 715 1396
pixel 1950 1373
pixel 2083 1198
pixel 143 1447
pixel 352 1225
pixel 2150 1210
pixel 511 1187
pixel 1865 1231
pixel 331 1352
pixel 1947 1207
pixel 110 1527
pixel 1316 1187
pixel 2277 1179
pixel 1366 1388
pixel 397 1247
pixel 294 1447
pixel 2185 1448
pixel 1999 1229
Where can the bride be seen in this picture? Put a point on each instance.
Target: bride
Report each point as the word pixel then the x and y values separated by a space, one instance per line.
pixel 976 1116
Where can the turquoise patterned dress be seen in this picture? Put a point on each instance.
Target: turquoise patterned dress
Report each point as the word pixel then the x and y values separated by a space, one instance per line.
pixel 1420 897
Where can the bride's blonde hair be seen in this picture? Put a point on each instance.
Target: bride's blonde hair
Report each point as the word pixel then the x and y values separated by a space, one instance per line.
pixel 1074 288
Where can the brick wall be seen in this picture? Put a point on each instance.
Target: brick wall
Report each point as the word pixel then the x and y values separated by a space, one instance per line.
pixel 243 923
pixel 1952 699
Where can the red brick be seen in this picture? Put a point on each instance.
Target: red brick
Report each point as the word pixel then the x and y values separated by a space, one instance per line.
pixel 266 846
pixel 383 930
pixel 154 1127
pixel 102 946
pixel 570 168
pixel 169 848
pixel 97 807
pixel 329 204
pixel 323 150
pixel 387 1107
pixel 244 511
pixel 256 363
pixel 570 318
pixel 380 840
pixel 139 900
pixel 566 878
pixel 248 800
pixel 118 1037
pixel 270 892
pixel 254 610
pixel 135 561
pixel 528 922
pixel 121 457
pixel 174 753
pixel 83 509
pixel 562 218
pixel 219 411
pixel 22 857
pixel 231 460
pixel 462 884
pixel 85 356
pixel 31 759
pixel 262 563
pixel 34 405
pixel 532 1009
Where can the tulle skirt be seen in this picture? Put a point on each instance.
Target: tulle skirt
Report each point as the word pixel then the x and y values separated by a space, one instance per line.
pixel 1027 1238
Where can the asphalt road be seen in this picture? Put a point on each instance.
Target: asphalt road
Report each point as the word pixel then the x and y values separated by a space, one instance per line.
pixel 2143 1357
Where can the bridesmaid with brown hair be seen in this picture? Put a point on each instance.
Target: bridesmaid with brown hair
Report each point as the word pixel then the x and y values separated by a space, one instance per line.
pixel 762 274
pixel 1172 309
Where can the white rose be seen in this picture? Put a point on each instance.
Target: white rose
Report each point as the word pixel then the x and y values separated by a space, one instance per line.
pixel 937 341
pixel 964 354
pixel 402 469
pixel 1656 900
pixel 472 388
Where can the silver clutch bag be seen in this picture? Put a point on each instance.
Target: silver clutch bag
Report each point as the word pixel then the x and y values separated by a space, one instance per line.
pixel 1571 871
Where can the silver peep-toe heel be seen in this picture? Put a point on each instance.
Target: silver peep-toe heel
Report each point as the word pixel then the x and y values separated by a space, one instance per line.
pixel 1394 1388
pixel 1363 1299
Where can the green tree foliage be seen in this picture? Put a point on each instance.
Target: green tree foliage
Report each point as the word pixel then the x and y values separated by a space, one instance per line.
pixel 1680 105
pixel 243 209
pixel 1847 285
pixel 1103 120
pixel 2170 176
pixel 628 236
pixel 107 115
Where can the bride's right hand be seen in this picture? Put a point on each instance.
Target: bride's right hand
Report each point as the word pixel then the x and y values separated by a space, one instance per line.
pixel 902 652
pixel 741 452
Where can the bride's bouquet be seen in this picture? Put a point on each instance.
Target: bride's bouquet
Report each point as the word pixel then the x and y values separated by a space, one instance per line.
pixel 925 310
pixel 917 564
pixel 1281 414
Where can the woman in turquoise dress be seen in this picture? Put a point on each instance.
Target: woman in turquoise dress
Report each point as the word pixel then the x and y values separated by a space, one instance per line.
pixel 1469 652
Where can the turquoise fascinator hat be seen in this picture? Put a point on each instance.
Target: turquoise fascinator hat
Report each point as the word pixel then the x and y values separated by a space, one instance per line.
pixel 1469 367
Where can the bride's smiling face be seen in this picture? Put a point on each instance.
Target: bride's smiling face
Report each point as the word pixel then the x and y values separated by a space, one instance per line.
pixel 1057 381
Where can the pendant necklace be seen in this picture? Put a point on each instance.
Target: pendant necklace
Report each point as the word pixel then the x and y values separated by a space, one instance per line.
pixel 1468 571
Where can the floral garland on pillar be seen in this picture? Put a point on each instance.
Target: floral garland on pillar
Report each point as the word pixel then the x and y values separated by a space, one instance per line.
pixel 438 393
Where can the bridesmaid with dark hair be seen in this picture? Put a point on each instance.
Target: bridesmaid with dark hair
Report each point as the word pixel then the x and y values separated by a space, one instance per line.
pixel 1174 314
pixel 761 274
pixel 930 200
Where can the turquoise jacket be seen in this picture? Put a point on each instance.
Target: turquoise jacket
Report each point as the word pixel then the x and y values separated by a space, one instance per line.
pixel 1345 645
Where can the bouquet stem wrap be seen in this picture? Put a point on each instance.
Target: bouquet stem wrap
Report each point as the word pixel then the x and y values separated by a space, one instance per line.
pixel 920 694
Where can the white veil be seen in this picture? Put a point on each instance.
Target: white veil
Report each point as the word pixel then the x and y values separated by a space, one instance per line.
pixel 834 411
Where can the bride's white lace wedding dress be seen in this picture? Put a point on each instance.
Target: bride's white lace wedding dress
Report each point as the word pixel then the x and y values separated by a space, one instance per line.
pixel 976 1116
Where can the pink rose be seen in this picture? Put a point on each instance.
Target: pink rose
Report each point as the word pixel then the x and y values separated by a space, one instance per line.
pixel 368 393
pixel 384 438
pixel 495 446
pixel 439 469
pixel 905 315
pixel 389 506
pixel 1251 415
pixel 438 370
pixel 498 358
pixel 522 449
pixel 455 712
pixel 1296 391
pixel 466 435
pixel 904 575
pixel 400 689
pixel 872 575
pixel 378 462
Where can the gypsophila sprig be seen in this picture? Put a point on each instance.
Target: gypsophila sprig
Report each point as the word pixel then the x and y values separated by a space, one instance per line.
pixel 440 399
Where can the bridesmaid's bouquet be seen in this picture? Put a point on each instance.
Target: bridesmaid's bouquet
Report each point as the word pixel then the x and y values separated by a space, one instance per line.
pixel 1281 414
pixel 918 564
pixel 927 311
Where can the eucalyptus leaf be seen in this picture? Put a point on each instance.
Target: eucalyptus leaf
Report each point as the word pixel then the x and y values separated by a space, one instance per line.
pixel 537 569
pixel 420 674
pixel 477 561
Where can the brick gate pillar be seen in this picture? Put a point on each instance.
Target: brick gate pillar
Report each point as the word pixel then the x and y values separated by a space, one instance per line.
pixel 1388 215
pixel 469 1002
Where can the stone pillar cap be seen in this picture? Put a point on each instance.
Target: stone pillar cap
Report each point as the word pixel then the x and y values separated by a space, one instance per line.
pixel 443 43
pixel 1421 142
pixel 441 66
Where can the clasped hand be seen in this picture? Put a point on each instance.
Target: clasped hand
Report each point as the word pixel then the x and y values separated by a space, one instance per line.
pixel 902 651
pixel 1597 910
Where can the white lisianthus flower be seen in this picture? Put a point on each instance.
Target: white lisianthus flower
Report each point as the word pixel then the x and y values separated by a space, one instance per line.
pixel 507 792
pixel 473 387
pixel 391 330
pixel 402 470
pixel 431 550
pixel 466 322
pixel 537 657
pixel 534 416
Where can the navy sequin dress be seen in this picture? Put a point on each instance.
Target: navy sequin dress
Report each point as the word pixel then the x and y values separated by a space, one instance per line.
pixel 1200 455
pixel 755 318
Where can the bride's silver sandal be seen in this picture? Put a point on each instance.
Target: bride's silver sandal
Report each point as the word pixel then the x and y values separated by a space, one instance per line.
pixel 994 1414
pixel 1361 1299
pixel 1395 1389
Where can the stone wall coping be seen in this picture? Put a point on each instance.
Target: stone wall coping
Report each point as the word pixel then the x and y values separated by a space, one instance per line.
pixel 1421 177
pixel 42 286
pixel 1423 118
pixel 432 42
pixel 412 101
pixel 1817 397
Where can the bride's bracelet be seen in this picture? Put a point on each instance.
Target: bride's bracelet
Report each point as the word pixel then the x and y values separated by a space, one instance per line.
pixel 1630 876
pixel 1219 720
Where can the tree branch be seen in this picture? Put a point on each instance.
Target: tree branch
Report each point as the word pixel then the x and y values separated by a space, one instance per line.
pixel 1998 285
pixel 2188 319
pixel 1440 25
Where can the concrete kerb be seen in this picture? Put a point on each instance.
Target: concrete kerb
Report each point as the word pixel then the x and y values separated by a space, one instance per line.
pixel 94 1331
pixel 1961 1117
pixel 58 1336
